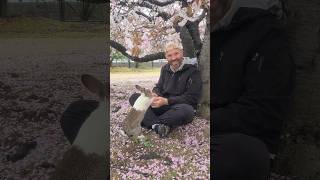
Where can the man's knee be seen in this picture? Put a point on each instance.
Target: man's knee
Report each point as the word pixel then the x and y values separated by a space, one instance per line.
pixel 186 109
pixel 177 115
pixel 133 98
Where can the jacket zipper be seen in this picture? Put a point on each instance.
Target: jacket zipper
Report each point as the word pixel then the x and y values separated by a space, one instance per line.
pixel 221 56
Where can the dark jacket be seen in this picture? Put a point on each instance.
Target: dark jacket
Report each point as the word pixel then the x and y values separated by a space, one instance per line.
pixel 181 87
pixel 253 76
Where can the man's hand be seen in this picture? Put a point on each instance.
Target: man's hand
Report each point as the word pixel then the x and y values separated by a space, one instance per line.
pixel 154 94
pixel 159 101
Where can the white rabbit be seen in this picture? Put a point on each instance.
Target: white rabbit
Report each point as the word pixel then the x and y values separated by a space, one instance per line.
pixel 132 123
pixel 86 159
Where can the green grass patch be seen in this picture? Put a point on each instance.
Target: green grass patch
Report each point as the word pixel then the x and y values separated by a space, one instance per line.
pixel 147 143
pixel 45 27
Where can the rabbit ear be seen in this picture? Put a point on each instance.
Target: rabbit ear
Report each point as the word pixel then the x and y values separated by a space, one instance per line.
pixel 145 91
pixel 94 85
pixel 140 88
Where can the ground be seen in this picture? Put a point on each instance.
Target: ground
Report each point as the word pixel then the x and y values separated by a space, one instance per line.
pixel 40 77
pixel 184 154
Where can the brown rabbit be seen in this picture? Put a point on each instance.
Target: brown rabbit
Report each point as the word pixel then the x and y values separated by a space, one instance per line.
pixel 132 122
pixel 86 159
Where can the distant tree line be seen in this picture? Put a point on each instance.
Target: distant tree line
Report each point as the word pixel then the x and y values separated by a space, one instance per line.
pixel 3 8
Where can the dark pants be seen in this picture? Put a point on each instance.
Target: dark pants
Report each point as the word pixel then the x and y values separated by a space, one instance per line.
pixel 238 156
pixel 74 116
pixel 173 115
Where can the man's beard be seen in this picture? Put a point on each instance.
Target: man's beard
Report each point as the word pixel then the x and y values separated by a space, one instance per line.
pixel 176 64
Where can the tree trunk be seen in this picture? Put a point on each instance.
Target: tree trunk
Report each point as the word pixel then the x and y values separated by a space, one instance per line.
pixel 3 8
pixel 187 43
pixel 85 11
pixel 299 154
pixel 204 65
pixel 62 10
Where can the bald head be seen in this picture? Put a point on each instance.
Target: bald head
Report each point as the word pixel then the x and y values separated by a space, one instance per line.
pixel 174 54
pixel 172 45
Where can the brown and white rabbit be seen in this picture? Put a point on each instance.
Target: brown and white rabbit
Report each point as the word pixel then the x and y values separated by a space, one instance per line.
pixel 132 123
pixel 87 157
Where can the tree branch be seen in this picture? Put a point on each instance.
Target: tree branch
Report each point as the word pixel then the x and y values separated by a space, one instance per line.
pixel 144 15
pixel 144 4
pixel 193 29
pixel 187 42
pixel 165 16
pixel 146 58
pixel 202 16
pixel 160 3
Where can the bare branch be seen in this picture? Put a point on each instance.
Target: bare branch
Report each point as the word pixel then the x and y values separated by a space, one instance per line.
pixel 160 3
pixel 193 29
pixel 144 15
pixel 187 42
pixel 144 4
pixel 146 58
pixel 202 16
pixel 165 16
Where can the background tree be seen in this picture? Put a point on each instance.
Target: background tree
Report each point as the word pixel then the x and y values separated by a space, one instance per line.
pixel 116 55
pixel 140 28
pixel 88 7
pixel 3 8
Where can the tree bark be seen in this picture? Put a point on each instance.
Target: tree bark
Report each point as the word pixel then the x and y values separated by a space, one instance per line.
pixel 187 43
pixel 204 65
pixel 299 154
pixel 146 58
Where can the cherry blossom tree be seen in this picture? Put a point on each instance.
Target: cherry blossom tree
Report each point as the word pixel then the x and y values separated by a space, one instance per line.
pixel 140 28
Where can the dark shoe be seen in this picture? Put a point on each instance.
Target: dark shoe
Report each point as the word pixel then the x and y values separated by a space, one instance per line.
pixel 161 129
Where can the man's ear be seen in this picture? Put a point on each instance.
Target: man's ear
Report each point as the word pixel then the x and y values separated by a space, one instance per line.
pixel 165 55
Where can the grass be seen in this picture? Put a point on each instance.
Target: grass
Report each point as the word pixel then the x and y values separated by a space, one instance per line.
pixel 44 27
pixel 124 73
pixel 149 70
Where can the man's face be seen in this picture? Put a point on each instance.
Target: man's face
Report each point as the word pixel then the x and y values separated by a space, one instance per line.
pixel 174 57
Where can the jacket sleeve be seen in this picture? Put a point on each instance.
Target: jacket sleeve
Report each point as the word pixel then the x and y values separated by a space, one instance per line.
pixel 267 95
pixel 158 87
pixel 192 93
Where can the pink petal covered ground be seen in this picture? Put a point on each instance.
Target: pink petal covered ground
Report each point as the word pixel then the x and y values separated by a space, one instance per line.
pixel 184 154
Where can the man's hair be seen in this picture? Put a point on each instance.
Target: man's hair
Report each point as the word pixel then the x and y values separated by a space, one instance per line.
pixel 172 45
